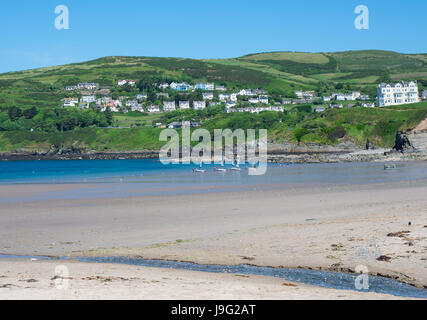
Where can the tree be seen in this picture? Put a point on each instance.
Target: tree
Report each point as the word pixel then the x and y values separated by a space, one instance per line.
pixel 14 113
pixel 30 113
pixel 109 115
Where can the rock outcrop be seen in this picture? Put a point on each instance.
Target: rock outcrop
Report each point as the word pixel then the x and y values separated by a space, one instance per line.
pixel 402 143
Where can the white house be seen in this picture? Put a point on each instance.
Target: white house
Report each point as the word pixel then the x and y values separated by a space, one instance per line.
pixel 319 109
pixel 137 108
pixel 404 92
pixel 184 105
pixel 70 102
pixel 169 106
pixel 153 109
pixel 208 95
pixel 199 105
pixel 253 100
pixel 88 99
pixel 263 99
pixel 220 88
pixel 246 92
pixel 129 82
pixel 327 99
pixel 424 95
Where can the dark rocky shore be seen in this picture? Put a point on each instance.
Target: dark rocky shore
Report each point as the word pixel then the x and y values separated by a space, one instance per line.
pixel 403 150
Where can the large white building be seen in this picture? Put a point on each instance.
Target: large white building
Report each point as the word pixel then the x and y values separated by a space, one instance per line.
pixel 390 94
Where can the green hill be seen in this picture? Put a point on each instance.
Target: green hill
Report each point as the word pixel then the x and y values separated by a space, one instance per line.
pixel 280 73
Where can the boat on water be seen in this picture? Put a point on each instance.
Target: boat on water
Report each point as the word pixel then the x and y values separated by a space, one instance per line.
pixel 199 169
pixel 220 168
pixel 236 166
pixel 389 166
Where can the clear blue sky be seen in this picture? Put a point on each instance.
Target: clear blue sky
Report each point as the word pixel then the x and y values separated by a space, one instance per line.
pixel 201 29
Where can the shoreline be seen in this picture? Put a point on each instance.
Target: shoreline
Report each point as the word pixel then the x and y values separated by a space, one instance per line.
pixel 274 156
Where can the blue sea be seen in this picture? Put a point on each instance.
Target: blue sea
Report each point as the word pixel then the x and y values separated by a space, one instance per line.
pixel 117 178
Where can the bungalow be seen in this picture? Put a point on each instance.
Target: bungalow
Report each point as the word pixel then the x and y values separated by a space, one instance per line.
pixel 153 109
pixel 208 96
pixel 364 97
pixel 220 88
pixel 286 101
pixel 326 99
pixel 88 99
pixel 70 88
pixel 184 105
pixel 169 106
pixel 164 86
pixel 336 106
pixel 340 97
pixel 199 105
pixel 424 95
pixel 253 100
pixel 84 105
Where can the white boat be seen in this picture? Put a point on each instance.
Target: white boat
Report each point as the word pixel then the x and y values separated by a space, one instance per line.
pixel 199 169
pixel 221 168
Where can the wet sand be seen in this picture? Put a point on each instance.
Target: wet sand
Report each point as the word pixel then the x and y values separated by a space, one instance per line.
pixel 30 280
pixel 330 228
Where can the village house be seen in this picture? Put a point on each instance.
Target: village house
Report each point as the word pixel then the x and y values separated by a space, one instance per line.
pixel 368 105
pixel 404 92
pixel 208 95
pixel 69 102
pixel 220 88
pixel 364 97
pixel 253 100
pixel 70 88
pixel 164 86
pixel 286 101
pixel 121 83
pixel 180 86
pixel 153 109
pixel 169 106
pixel 326 99
pixel 84 106
pixel 319 109
pixel 88 86
pixel 88 99
pixel 424 95
pixel 137 108
pixel 184 105
pixel 140 96
pixel 199 105
pixel 131 103
pixel 246 93
pixel 263 99
pixel 205 86
pixel 228 97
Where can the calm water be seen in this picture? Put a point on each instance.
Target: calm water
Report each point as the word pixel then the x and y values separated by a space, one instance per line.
pixel 332 280
pixel 117 178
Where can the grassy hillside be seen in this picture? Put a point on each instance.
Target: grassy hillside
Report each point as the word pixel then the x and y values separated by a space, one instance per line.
pixel 279 73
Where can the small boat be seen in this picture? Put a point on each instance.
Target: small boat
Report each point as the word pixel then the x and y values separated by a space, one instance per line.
pixel 221 168
pixel 199 169
pixel 389 166
pixel 236 166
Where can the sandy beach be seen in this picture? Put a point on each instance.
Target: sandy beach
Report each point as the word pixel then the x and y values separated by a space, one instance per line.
pixel 319 227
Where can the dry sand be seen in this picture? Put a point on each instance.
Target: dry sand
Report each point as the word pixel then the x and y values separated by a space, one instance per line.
pixel 333 228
